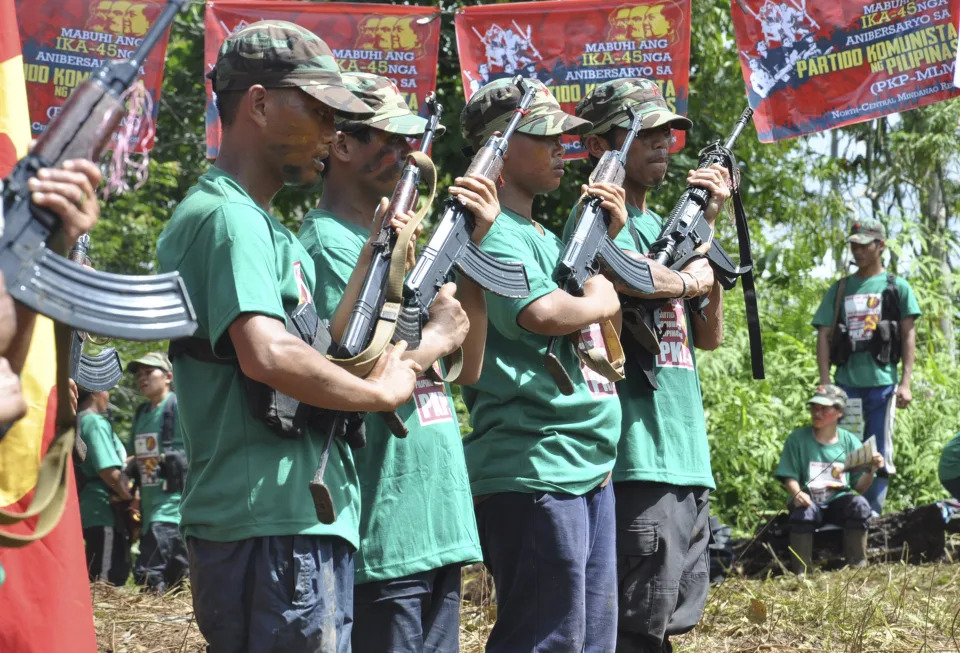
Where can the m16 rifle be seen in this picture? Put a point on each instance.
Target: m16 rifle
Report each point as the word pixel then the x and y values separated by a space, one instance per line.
pixel 685 230
pixel 121 306
pixel 450 246
pixel 590 247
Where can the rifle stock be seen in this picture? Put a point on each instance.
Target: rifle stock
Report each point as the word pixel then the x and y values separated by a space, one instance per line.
pixel 123 306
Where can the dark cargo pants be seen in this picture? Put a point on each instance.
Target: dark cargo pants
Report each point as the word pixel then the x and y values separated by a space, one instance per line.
pixel 662 562
pixel 162 563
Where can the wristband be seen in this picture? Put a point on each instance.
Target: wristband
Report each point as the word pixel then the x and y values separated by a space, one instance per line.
pixel 683 293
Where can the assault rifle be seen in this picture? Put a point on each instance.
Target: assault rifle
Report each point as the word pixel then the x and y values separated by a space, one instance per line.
pixel 687 229
pixel 450 246
pixel 373 320
pixel 590 247
pixel 122 306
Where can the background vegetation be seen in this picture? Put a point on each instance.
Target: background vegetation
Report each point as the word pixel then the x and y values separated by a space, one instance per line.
pixel 801 196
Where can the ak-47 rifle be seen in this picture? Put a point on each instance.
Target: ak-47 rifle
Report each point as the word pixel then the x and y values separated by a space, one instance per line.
pixel 91 373
pixel 121 306
pixel 590 247
pixel 687 229
pixel 373 320
pixel 450 246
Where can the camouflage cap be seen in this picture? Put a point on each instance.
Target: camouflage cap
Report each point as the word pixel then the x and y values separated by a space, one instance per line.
pixel 866 231
pixel 829 395
pixel 153 359
pixel 492 106
pixel 391 112
pixel 278 54
pixel 604 106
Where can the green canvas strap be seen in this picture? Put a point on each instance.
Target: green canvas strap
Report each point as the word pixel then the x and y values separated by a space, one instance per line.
pixel 50 495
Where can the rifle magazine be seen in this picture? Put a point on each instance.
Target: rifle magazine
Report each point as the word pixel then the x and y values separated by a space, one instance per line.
pixel 507 279
pixel 633 272
pixel 100 372
pixel 126 306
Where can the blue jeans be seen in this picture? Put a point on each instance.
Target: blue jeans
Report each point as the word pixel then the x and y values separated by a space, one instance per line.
pixel 419 613
pixel 553 560
pixel 849 511
pixel 879 405
pixel 273 594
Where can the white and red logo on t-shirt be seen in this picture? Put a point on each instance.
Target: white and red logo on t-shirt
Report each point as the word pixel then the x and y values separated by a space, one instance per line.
pixel 671 325
pixel 433 406
pixel 862 314
pixel 599 386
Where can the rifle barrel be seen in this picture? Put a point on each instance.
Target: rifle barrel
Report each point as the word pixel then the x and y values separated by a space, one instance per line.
pixel 737 128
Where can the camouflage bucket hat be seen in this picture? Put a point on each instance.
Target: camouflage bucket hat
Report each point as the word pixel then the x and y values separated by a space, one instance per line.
pixel 391 112
pixel 604 106
pixel 865 232
pixel 153 359
pixel 278 54
pixel 829 395
pixel 492 106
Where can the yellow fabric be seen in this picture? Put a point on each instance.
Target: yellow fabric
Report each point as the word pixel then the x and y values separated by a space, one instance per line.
pixel 14 114
pixel 20 448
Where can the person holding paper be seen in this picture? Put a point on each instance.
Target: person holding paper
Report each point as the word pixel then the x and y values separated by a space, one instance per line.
pixel 812 469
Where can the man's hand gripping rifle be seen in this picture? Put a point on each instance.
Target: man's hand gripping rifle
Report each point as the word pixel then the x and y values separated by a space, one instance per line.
pixel 120 306
pixel 450 246
pixel 373 320
pixel 683 238
pixel 590 247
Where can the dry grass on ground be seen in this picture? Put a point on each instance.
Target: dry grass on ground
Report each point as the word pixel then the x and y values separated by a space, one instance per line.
pixel 886 608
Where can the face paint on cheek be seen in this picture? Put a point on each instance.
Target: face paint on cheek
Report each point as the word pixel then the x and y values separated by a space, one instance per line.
pixel 388 161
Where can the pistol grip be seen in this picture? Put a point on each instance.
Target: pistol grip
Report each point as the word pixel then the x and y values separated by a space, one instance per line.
pixel 323 502
pixel 556 369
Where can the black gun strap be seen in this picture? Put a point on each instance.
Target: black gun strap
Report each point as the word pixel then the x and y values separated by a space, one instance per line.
pixel 749 288
pixel 167 422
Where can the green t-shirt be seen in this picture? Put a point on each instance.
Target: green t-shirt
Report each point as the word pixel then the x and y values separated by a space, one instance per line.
pixel 416 510
pixel 527 437
pixel 244 480
pixel 950 460
pixel 104 450
pixel 664 434
pixel 156 505
pixel 860 310
pixel 803 459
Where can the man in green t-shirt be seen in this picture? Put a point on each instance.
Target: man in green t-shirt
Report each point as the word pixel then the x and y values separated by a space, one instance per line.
pixel 157 446
pixel 266 575
pixel 812 470
pixel 662 478
pixel 540 462
pixel 417 526
pixel 874 331
pixel 101 481
pixel 949 469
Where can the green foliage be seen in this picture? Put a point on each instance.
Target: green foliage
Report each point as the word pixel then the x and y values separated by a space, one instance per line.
pixel 797 197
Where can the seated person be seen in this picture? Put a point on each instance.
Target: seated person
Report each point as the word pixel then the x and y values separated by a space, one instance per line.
pixel 812 471
pixel 950 467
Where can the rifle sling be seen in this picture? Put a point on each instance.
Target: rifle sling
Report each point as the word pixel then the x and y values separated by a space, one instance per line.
pixel 749 287
pixel 50 495
pixel 361 364
pixel 607 361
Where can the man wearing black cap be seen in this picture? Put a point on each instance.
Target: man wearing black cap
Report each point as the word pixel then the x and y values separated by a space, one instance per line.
pixel 266 574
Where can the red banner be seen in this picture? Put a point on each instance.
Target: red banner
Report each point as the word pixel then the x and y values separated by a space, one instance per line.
pixel 574 45
pixel 811 65
pixel 398 42
pixel 64 41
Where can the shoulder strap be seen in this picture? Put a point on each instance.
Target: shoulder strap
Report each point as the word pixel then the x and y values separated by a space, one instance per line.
pixel 837 302
pixel 168 421
pixel 139 412
pixel 893 311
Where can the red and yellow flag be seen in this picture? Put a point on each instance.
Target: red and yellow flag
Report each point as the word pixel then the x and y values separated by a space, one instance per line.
pixel 45 594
